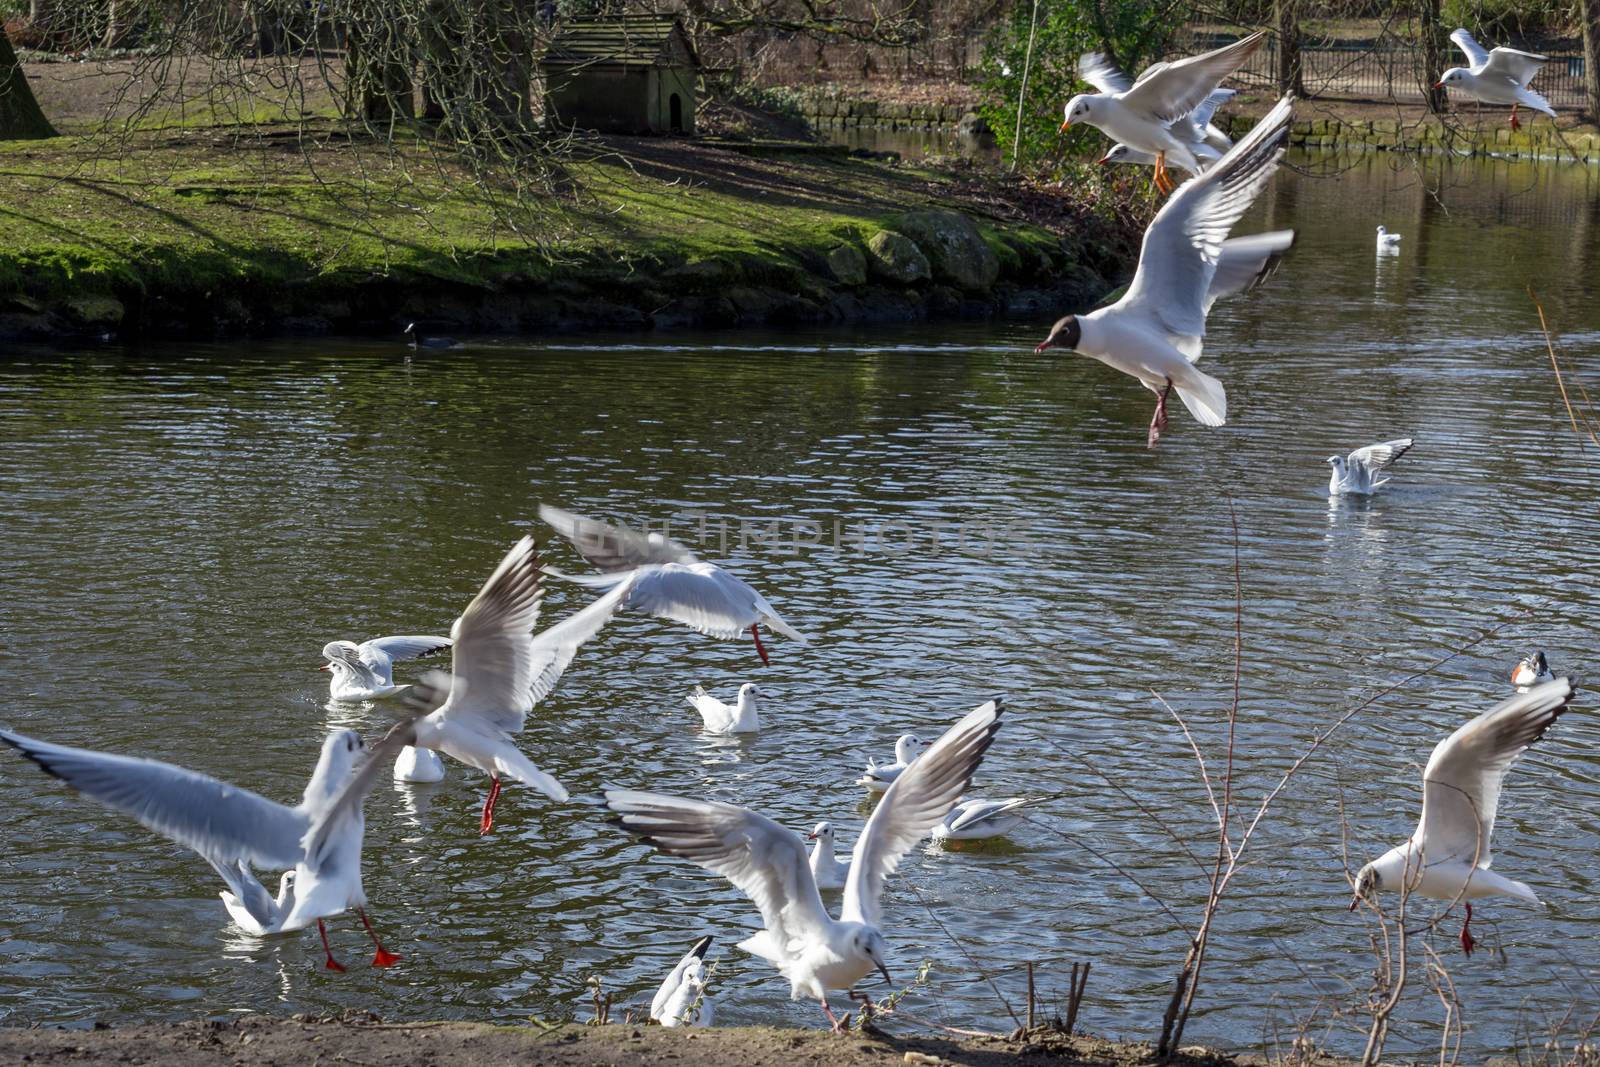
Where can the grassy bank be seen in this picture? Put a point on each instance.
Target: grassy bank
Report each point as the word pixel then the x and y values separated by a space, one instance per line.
pixel 245 230
pixel 257 1040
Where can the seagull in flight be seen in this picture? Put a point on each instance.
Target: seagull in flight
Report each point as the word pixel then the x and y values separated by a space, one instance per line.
pixel 319 839
pixel 1150 114
pixel 810 948
pixel 1196 128
pixel 658 575
pixel 1448 857
pixel 1357 473
pixel 1156 331
pixel 1497 77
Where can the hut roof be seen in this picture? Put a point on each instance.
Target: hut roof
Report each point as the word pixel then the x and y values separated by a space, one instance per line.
pixel 625 40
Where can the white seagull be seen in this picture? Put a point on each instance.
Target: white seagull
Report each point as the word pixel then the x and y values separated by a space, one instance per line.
pixel 674 1002
pixel 1448 857
pixel 768 862
pixel 1196 128
pixel 1388 242
pixel 1156 331
pixel 500 670
pixel 1357 473
pixel 718 718
pixel 879 776
pixel 366 671
pixel 1148 114
pixel 419 765
pixel 1534 670
pixel 658 575
pixel 1497 77
pixel 319 839
pixel 826 869
pixel 979 820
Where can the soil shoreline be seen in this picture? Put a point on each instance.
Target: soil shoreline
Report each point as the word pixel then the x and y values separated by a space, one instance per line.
pixel 260 1040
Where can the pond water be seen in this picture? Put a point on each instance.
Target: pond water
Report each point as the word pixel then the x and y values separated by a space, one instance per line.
pixel 186 525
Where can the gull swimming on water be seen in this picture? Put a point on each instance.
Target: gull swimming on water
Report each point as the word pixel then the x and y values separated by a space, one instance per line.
pixel 826 869
pixel 500 669
pixel 663 578
pixel 1357 473
pixel 1497 77
pixel 1448 857
pixel 980 820
pixel 1156 331
pixel 768 863
pixel 365 671
pixel 674 1001
pixel 319 839
pixel 1148 115
pixel 1532 671
pixel 1388 242
pixel 718 718
pixel 1196 128
pixel 879 776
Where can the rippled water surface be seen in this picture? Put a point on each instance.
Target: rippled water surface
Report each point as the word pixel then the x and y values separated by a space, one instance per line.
pixel 184 526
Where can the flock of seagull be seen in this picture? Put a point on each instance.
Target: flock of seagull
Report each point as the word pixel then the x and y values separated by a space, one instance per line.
pixel 502 666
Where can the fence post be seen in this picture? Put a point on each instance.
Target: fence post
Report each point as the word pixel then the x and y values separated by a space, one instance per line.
pixel 1287 25
pixel 1589 13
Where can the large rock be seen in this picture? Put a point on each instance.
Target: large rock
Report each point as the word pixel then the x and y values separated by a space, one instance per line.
pixel 974 133
pixel 957 252
pixel 847 265
pixel 894 257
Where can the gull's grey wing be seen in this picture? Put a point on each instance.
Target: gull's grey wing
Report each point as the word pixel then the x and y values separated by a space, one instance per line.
pixel 248 891
pixel 408 647
pixel 669 985
pixel 221 822
pixel 349 798
pixel 1203 114
pixel 1100 72
pixel 1175 89
pixel 493 657
pixel 983 810
pixel 1376 457
pixel 554 648
pixel 1476 55
pixel 919 798
pixel 1245 262
pixel 1517 66
pixel 702 596
pixel 1461 784
pixel 767 862
pixel 613 548
pixel 1178 259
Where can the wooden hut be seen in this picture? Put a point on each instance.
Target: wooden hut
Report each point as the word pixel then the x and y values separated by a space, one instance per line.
pixel 627 74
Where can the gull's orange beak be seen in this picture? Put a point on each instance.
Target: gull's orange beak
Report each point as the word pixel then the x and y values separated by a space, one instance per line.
pixel 811 837
pixel 1355 902
pixel 326 667
pixel 1103 160
pixel 1065 125
pixel 1438 85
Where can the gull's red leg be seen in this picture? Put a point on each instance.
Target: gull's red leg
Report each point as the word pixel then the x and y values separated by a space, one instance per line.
pixel 755 632
pixel 1467 941
pixel 383 957
pixel 837 1028
pixel 1158 421
pixel 333 964
pixel 1515 125
pixel 486 822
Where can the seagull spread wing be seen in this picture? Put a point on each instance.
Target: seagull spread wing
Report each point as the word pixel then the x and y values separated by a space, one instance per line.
pixel 493 662
pixel 982 810
pixel 613 548
pixel 1513 64
pixel 1246 262
pixel 669 986
pixel 1376 457
pixel 1100 72
pixel 1207 110
pixel 223 823
pixel 919 798
pixel 767 862
pixel 346 803
pixel 1170 91
pixel 554 648
pixel 1476 56
pixel 1461 785
pixel 397 648
pixel 1182 246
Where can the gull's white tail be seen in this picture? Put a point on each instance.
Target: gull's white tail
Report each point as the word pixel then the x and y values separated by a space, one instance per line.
pixel 1204 396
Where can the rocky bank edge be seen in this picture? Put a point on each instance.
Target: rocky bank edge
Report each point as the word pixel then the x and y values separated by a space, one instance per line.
pixel 255 1040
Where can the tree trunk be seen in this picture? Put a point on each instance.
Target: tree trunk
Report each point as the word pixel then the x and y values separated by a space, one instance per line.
pixel 20 117
pixel 378 88
pixel 1287 22
pixel 1433 54
pixel 1590 12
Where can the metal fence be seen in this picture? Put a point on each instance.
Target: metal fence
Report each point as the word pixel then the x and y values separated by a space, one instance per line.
pixel 1386 70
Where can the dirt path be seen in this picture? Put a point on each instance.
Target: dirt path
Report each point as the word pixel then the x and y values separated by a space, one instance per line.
pixel 300 1041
